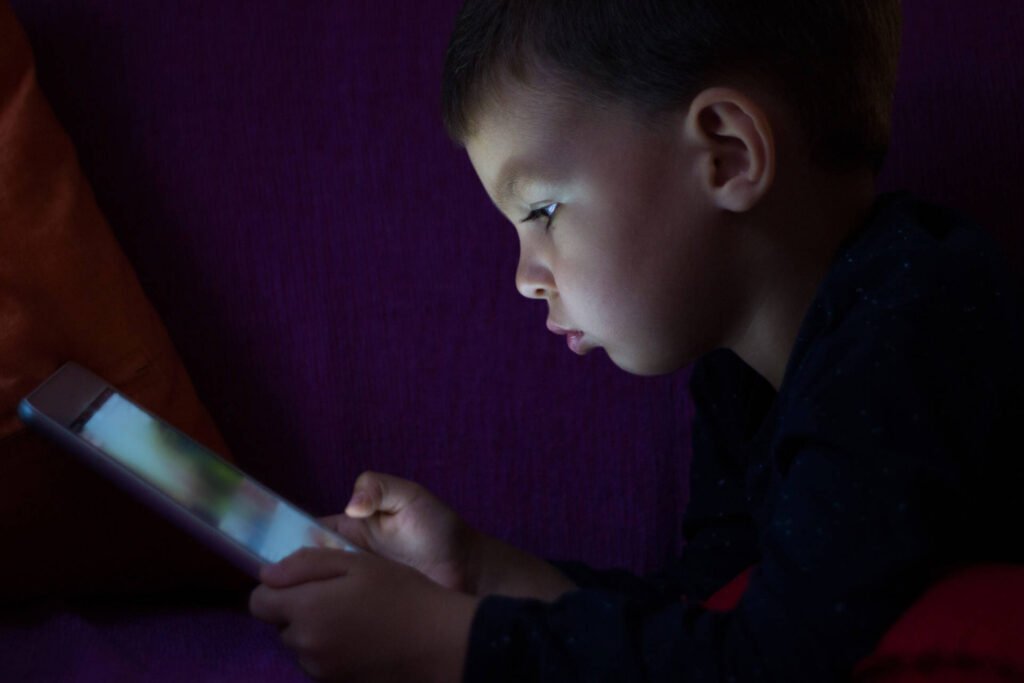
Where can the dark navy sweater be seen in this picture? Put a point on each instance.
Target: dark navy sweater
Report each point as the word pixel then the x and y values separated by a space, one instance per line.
pixel 887 457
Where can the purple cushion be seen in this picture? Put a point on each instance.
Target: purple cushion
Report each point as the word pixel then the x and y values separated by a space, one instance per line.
pixel 131 643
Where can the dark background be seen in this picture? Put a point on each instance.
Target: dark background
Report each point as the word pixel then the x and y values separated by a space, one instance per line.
pixel 341 289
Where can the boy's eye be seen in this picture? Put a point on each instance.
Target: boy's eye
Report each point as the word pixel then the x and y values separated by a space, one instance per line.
pixel 548 211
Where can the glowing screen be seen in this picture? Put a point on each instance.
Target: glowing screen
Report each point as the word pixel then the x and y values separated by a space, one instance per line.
pixel 197 479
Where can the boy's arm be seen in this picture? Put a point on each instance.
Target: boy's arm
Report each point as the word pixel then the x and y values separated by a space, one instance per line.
pixel 813 608
pixel 502 569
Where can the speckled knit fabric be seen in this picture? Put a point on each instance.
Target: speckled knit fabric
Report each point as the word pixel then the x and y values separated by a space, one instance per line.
pixel 874 469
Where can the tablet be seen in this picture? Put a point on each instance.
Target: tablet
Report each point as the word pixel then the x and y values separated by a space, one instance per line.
pixel 188 483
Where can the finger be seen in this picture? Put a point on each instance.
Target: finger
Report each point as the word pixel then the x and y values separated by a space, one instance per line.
pixel 331 521
pixel 265 604
pixel 375 491
pixel 294 638
pixel 307 564
pixel 353 530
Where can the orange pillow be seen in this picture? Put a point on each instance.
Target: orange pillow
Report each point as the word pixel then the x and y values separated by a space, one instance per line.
pixel 67 292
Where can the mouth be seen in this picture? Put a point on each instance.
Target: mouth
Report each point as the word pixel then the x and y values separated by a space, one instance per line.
pixel 557 329
pixel 573 338
pixel 575 342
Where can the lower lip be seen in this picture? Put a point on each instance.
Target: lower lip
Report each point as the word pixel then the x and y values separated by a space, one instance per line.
pixel 575 342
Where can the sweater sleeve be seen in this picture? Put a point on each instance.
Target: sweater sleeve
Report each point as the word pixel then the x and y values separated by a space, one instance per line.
pixel 841 560
pixel 844 554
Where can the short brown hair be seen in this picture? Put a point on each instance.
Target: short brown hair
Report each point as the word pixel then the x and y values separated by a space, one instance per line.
pixel 833 61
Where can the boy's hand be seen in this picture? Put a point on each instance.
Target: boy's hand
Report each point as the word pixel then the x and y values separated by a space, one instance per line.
pixel 356 616
pixel 402 521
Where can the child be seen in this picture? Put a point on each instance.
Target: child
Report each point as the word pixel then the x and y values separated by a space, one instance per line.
pixel 696 180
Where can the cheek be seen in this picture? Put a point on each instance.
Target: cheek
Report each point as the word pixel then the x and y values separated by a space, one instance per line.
pixel 699 299
pixel 615 307
pixel 598 275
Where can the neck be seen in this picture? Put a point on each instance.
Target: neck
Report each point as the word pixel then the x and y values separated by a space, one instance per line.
pixel 791 250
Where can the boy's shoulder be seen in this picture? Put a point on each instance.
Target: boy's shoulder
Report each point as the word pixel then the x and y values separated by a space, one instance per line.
pixel 915 274
pixel 917 295
pixel 918 317
pixel 917 259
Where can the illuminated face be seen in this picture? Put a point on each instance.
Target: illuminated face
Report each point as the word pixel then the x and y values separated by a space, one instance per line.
pixel 622 242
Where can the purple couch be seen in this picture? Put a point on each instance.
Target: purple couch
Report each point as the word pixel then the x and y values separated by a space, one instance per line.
pixel 341 289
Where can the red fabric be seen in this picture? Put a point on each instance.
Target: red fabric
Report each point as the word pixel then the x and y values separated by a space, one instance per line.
pixel 967 627
pixel 726 597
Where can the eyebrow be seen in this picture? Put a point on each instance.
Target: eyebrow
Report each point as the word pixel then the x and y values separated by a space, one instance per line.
pixel 515 174
pixel 507 183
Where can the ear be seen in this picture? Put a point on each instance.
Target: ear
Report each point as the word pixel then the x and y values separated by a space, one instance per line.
pixel 735 147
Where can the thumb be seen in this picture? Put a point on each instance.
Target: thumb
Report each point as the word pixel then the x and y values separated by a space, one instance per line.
pixel 375 491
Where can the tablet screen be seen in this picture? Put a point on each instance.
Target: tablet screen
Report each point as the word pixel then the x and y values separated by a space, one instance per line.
pixel 199 480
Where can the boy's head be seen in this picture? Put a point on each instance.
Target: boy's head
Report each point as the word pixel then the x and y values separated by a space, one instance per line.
pixel 665 142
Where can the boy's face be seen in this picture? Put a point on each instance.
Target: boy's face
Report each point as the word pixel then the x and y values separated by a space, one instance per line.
pixel 635 257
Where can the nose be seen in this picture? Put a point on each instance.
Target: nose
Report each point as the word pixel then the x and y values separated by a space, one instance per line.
pixel 533 279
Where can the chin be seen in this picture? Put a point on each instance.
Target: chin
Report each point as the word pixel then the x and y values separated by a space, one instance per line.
pixel 640 367
pixel 648 367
